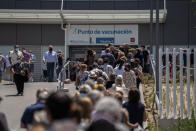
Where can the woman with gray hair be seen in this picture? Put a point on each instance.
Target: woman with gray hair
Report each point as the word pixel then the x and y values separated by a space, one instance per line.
pixel 107 109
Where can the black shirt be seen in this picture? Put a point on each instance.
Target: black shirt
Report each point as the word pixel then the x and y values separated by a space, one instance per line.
pixel 136 112
pixel 109 84
pixel 145 56
pixel 18 67
pixel 60 60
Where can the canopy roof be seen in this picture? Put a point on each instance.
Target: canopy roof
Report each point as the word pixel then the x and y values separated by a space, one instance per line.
pixel 79 16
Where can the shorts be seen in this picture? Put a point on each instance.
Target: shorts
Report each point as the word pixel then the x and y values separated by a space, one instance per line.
pixel 31 68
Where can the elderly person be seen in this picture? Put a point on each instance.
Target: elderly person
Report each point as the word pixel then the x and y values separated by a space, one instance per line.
pixel 58 106
pixel 108 69
pixel 109 56
pixel 129 77
pixel 84 90
pixel 95 96
pixel 27 118
pixel 119 69
pixel 107 109
pixel 82 76
pixel 50 58
pixel 136 109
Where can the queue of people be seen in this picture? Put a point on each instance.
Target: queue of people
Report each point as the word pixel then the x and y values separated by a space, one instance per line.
pixel 88 110
pixel 107 97
pixel 123 62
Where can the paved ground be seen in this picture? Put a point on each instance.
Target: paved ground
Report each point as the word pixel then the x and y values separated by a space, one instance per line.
pixel 13 106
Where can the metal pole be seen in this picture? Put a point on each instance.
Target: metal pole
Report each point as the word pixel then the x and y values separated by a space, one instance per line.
pixel 157 48
pixel 165 5
pixel 151 25
pixel 181 85
pixel 174 83
pixel 66 43
pixel 160 83
pixel 195 82
pixel 188 85
pixel 167 82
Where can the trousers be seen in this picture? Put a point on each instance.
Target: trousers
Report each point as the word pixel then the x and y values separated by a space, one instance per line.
pixel 19 81
pixel 50 70
pixel 58 70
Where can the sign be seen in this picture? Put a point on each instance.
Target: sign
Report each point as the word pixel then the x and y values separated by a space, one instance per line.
pixel 102 34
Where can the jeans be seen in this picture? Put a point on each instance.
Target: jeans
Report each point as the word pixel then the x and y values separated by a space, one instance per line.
pixel 50 70
pixel 58 70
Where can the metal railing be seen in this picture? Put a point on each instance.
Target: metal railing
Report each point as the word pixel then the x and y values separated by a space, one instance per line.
pixel 63 75
pixel 173 88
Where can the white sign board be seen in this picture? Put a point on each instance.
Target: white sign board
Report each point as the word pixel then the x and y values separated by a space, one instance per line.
pixel 102 34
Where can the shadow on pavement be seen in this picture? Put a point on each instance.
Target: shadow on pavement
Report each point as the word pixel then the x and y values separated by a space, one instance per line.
pixel 11 95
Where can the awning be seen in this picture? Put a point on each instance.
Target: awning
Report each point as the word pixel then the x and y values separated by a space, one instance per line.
pixel 79 16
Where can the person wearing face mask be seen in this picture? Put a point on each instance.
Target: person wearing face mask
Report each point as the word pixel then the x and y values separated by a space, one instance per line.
pixel 27 56
pixel 15 55
pixel 50 58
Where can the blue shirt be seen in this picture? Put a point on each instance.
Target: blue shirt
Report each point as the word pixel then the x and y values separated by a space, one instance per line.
pixel 50 57
pixel 27 117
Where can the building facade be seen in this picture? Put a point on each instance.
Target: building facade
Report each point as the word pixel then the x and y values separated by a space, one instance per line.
pixel 177 25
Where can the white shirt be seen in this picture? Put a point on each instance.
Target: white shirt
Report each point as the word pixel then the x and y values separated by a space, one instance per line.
pixel 108 69
pixel 14 56
pixel 50 57
pixel 119 71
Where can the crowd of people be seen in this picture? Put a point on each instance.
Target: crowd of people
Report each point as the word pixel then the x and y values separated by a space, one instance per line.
pixel 117 66
pixel 107 97
pixel 19 67
pixel 87 110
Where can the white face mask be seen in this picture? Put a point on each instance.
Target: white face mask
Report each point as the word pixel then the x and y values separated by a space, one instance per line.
pixel 24 51
pixel 19 61
pixel 17 49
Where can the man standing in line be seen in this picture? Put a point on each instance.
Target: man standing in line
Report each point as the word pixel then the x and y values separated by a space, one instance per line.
pixel 16 58
pixel 2 66
pixel 146 57
pixel 50 58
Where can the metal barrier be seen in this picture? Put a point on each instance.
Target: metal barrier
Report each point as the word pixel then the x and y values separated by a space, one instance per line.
pixel 172 104
pixel 62 75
